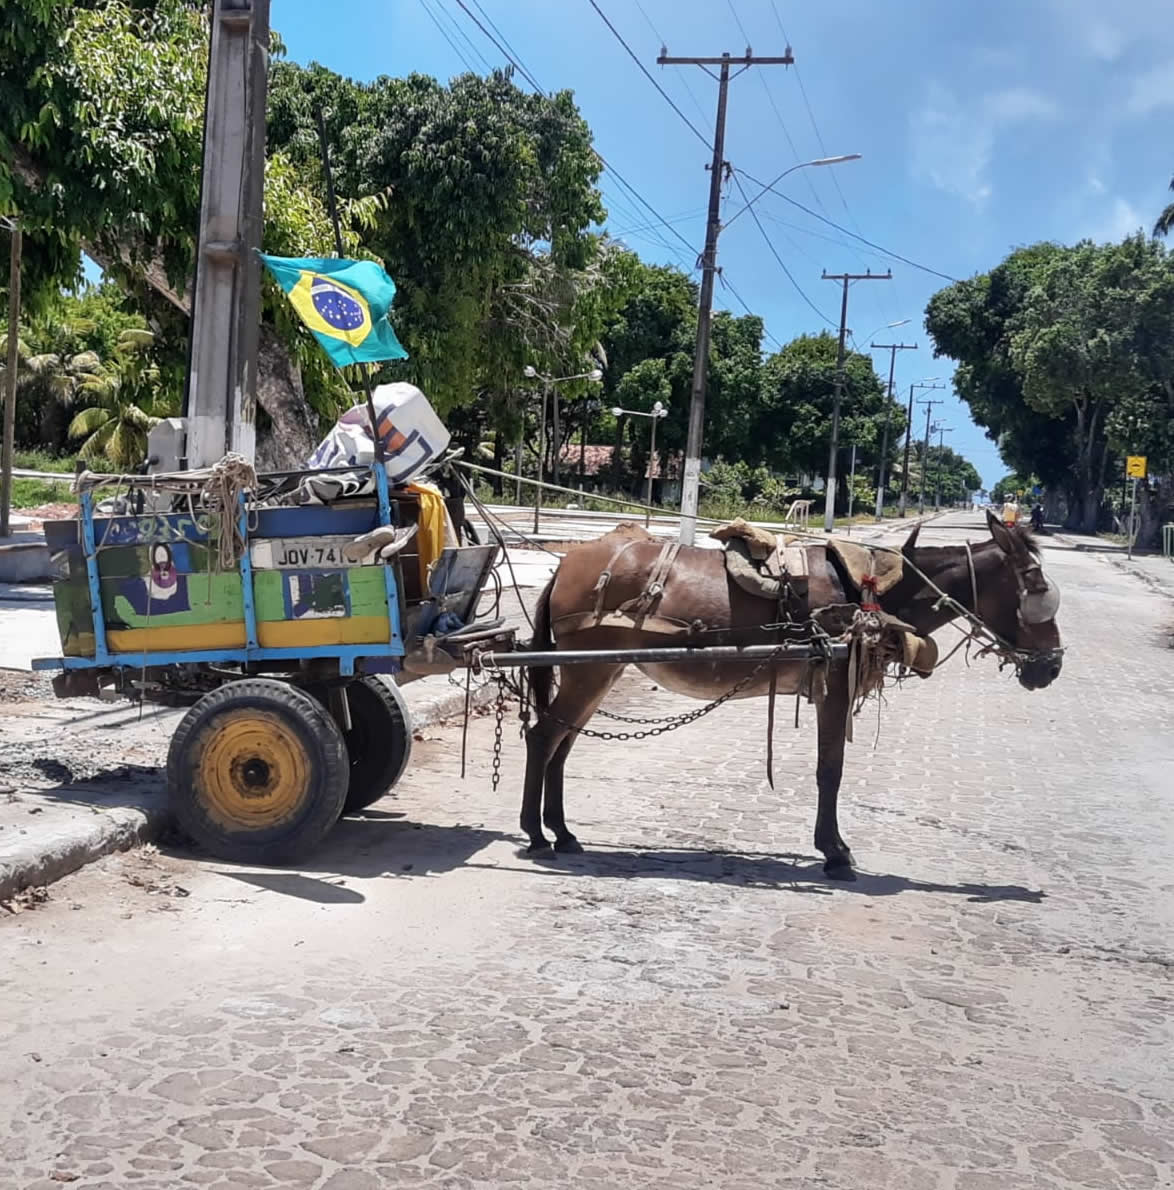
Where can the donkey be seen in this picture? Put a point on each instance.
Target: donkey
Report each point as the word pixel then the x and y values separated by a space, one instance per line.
pixel 1000 582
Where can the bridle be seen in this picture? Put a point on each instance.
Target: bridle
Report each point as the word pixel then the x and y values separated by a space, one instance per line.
pixel 1039 602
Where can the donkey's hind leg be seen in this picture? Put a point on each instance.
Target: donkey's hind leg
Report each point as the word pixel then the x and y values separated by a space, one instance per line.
pixel 832 719
pixel 547 743
pixel 591 690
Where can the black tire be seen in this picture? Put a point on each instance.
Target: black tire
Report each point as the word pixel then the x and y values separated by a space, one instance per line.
pixel 379 743
pixel 257 772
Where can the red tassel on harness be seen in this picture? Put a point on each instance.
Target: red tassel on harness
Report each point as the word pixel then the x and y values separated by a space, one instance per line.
pixel 868 588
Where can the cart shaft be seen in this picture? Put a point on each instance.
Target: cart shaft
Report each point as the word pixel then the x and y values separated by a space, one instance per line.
pixel 700 654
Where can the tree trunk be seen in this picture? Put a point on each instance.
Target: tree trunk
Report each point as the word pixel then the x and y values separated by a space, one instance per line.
pixel 617 455
pixel 498 462
pixel 1153 511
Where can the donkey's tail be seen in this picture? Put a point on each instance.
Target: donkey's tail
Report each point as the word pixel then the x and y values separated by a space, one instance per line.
pixel 542 678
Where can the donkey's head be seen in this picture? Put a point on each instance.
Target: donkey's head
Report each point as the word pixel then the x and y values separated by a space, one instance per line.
pixel 1019 602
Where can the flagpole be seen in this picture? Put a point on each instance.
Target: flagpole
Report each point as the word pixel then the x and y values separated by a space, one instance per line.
pixel 333 209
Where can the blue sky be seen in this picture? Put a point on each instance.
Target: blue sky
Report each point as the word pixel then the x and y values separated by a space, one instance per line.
pixel 982 127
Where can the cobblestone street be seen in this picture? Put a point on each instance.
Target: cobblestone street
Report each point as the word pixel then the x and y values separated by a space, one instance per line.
pixel 690 1004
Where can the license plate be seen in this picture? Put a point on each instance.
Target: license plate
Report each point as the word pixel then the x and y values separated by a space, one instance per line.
pixel 300 553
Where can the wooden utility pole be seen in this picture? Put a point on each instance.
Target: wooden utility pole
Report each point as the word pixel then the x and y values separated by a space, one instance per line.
pixel 12 364
pixel 909 438
pixel 925 453
pixel 829 511
pixel 892 349
pixel 691 479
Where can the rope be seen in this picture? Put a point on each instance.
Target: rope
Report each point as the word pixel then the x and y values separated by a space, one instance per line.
pixel 217 489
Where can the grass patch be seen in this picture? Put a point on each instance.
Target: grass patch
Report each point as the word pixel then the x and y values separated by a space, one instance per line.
pixel 40 460
pixel 32 493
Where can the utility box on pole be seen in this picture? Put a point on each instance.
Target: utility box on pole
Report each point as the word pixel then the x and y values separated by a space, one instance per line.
pixel 221 399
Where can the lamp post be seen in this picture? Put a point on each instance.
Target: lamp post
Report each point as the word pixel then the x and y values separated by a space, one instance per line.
pixel 657 412
pixel 691 473
pixel 13 361
pixel 927 383
pixel 548 383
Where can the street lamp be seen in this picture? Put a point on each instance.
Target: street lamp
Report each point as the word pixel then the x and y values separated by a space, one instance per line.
pixel 801 165
pixel 658 411
pixel 548 383
pixel 691 473
pixel 928 382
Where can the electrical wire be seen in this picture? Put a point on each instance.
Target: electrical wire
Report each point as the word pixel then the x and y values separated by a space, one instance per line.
pixel 775 252
pixel 742 302
pixel 445 34
pixel 648 75
pixel 840 228
pixel 463 36
pixel 664 42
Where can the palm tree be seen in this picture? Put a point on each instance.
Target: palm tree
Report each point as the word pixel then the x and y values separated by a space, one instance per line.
pixel 1165 223
pixel 123 398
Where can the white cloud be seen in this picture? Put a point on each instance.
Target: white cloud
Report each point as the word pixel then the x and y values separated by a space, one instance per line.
pixel 1121 220
pixel 953 146
pixel 1151 91
pixel 1106 32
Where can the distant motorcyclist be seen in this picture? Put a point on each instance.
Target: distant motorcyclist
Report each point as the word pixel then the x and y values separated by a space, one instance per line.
pixel 1037 518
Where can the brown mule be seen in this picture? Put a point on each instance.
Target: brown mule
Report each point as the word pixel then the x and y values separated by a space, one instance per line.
pixel 1000 582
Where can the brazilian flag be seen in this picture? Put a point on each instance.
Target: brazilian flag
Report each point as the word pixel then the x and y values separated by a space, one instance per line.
pixel 345 303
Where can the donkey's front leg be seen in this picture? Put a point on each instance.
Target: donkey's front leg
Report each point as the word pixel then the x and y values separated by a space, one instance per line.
pixel 833 718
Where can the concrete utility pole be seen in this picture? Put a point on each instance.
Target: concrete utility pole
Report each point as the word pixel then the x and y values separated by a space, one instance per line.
pixel 221 398
pixel 925 453
pixel 909 438
pixel 892 349
pixel 942 430
pixel 829 510
pixel 12 364
pixel 691 480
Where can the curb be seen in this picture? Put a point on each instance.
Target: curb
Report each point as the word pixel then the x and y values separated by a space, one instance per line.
pixel 68 838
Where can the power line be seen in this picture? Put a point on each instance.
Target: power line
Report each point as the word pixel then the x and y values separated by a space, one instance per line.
pixel 517 64
pixel 445 34
pixel 742 302
pixel 648 75
pixel 775 108
pixel 775 252
pixel 684 79
pixel 846 231
pixel 463 36
pixel 514 61
pixel 505 40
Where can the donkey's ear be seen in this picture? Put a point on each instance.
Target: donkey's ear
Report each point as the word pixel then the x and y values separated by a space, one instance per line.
pixel 911 540
pixel 1002 535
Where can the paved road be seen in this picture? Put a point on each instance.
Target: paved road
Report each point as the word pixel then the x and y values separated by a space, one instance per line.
pixel 688 1005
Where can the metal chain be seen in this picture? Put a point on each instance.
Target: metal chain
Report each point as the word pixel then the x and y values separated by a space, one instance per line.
pixel 499 716
pixel 676 721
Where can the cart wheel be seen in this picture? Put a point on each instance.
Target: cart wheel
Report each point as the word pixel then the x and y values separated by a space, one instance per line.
pixel 257 772
pixel 379 742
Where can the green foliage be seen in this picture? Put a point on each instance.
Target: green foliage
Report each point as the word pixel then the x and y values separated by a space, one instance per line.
pixel 121 403
pixel 1066 358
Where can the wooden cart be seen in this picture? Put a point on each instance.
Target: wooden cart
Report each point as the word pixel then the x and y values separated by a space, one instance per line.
pixel 289 661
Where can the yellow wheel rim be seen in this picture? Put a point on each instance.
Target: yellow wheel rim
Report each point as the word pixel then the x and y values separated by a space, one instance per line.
pixel 253 771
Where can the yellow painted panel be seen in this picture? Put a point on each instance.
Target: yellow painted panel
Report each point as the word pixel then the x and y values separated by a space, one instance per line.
pixel 278 634
pixel 297 634
pixel 178 638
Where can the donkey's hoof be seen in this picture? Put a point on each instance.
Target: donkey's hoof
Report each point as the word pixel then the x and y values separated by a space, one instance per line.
pixel 538 846
pixel 568 846
pixel 839 867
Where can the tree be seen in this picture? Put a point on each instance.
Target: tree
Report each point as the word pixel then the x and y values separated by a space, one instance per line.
pixel 487 227
pixel 101 113
pixel 1165 221
pixel 792 424
pixel 123 404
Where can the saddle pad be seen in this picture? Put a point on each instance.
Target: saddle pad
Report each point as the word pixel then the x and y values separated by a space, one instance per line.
pixel 859 561
pixel 759 543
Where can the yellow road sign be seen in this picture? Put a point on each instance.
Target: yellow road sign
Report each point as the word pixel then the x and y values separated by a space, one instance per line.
pixel 1135 466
